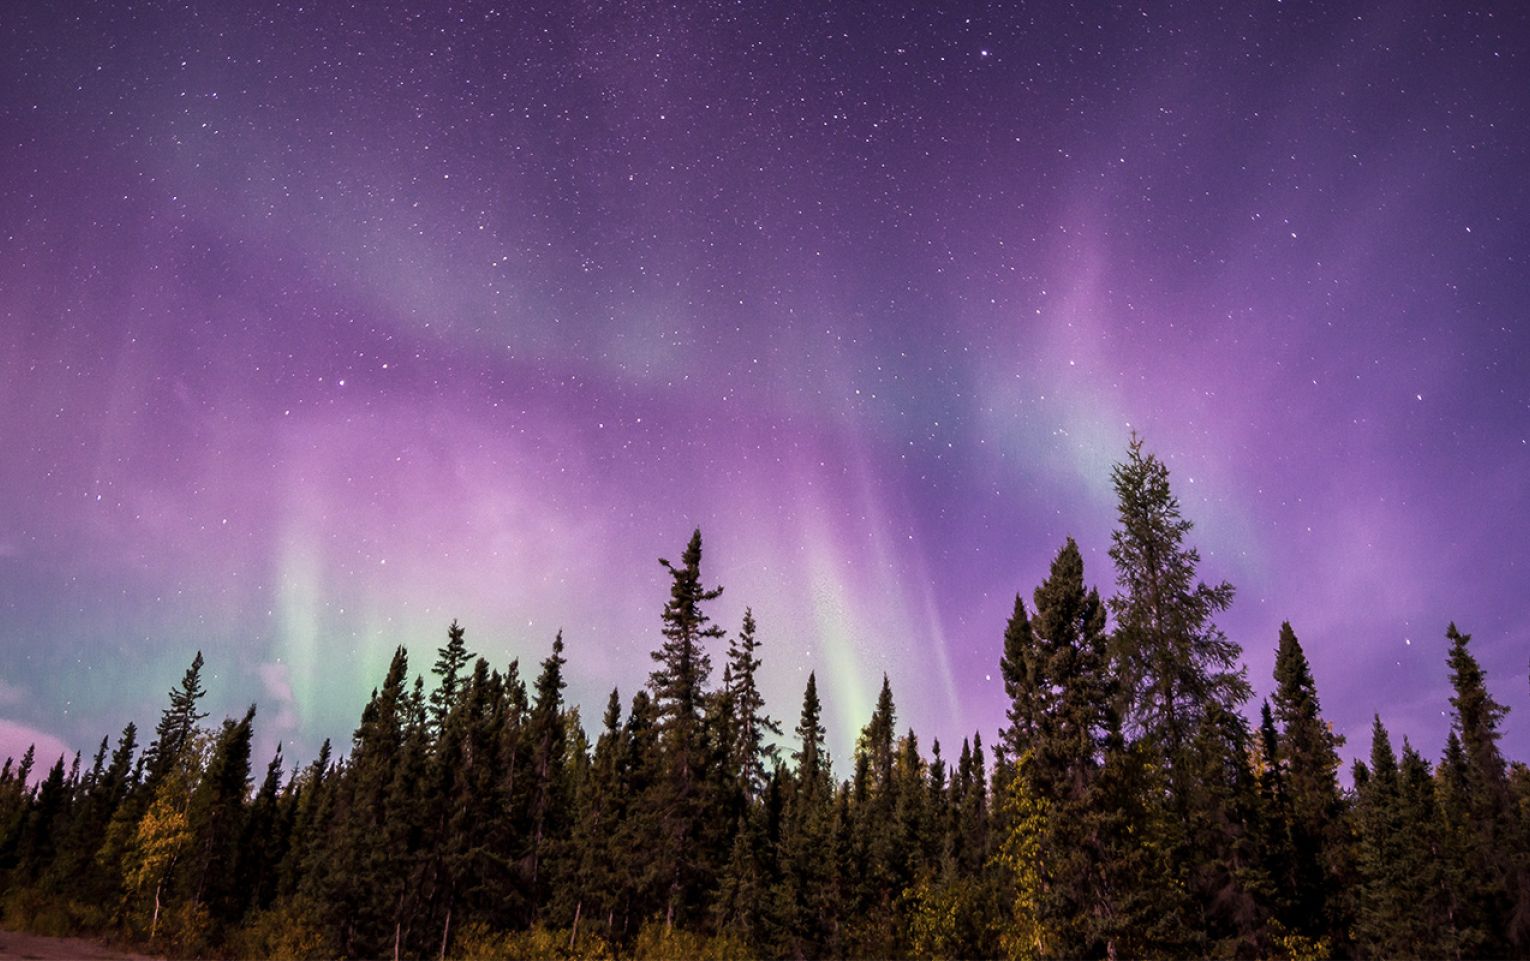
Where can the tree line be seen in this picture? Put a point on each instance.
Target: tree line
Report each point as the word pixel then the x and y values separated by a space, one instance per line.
pixel 1127 808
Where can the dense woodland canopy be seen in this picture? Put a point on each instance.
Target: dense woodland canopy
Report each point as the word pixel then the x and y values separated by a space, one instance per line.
pixel 1127 808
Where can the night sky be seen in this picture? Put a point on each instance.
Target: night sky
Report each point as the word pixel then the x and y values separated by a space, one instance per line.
pixel 324 324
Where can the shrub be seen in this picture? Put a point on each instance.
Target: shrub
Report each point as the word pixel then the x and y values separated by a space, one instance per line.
pixel 478 942
pixel 279 934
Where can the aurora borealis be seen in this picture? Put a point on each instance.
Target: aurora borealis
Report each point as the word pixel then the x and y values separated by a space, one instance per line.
pixel 321 325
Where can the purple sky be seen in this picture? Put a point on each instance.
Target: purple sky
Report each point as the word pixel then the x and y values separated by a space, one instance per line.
pixel 322 326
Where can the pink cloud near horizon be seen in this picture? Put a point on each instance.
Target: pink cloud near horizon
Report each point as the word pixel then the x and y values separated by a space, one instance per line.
pixel 16 737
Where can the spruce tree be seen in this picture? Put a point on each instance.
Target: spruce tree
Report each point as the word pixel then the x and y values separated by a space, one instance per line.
pixel 974 809
pixel 1175 664
pixel 44 818
pixel 803 901
pixel 1179 674
pixel 215 817
pixel 679 692
pixel 754 755
pixel 1405 907
pixel 177 722
pixel 811 756
pixel 263 842
pixel 641 878
pixel 876 841
pixel 78 870
pixel 1061 711
pixel 311 825
pixel 1227 868
pixel 1430 928
pixel 1499 867
pixel 410 853
pixel 349 867
pixel 1307 763
pixel 549 742
pixel 1382 928
pixel 679 682
pixel 594 877
pixel 450 661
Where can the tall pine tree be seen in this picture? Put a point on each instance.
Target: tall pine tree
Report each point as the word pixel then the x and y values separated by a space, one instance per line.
pixel 679 690
pixel 754 755
pixel 1306 765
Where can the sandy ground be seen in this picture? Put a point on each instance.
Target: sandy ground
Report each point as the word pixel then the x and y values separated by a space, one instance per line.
pixel 14 947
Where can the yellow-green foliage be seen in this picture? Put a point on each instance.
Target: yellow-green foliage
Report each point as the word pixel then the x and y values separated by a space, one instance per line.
pixel 933 914
pixel 280 934
pixel 656 943
pixel 185 931
pixel 163 833
pixel 478 942
pixel 27 909
pixel 1297 947
pixel 1023 936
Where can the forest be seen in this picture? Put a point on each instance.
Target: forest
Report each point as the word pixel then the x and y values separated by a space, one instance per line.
pixel 1128 805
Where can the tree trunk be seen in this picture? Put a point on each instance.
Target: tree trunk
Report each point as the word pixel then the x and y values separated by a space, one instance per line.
pixel 446 933
pixel 574 934
pixel 154 923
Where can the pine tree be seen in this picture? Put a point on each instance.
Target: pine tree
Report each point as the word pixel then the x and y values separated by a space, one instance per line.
pixel 939 845
pixel 215 819
pixel 350 866
pixel 877 841
pixel 595 880
pixel 811 756
pixel 1061 711
pixel 177 723
pixel 1404 904
pixel 740 906
pixel 1132 810
pixel 76 871
pixel 1306 763
pixel 876 740
pixel 466 768
pixel 1228 871
pixel 803 906
pixel 974 809
pixel 679 682
pixel 754 756
pixel 642 879
pixel 1148 911
pixel 1429 930
pixel 1382 928
pixel 408 854
pixel 1459 855
pixel 45 816
pixel 679 690
pixel 1179 675
pixel 1273 835
pixel 548 736
pixel 1028 696
pixel 450 661
pixel 263 842
pixel 1500 868
pixel 1176 665
pixel 298 876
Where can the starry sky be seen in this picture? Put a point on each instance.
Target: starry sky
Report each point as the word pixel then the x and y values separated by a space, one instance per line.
pixel 322 324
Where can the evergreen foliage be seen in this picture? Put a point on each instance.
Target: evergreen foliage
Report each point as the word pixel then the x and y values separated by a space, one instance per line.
pixel 1130 808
